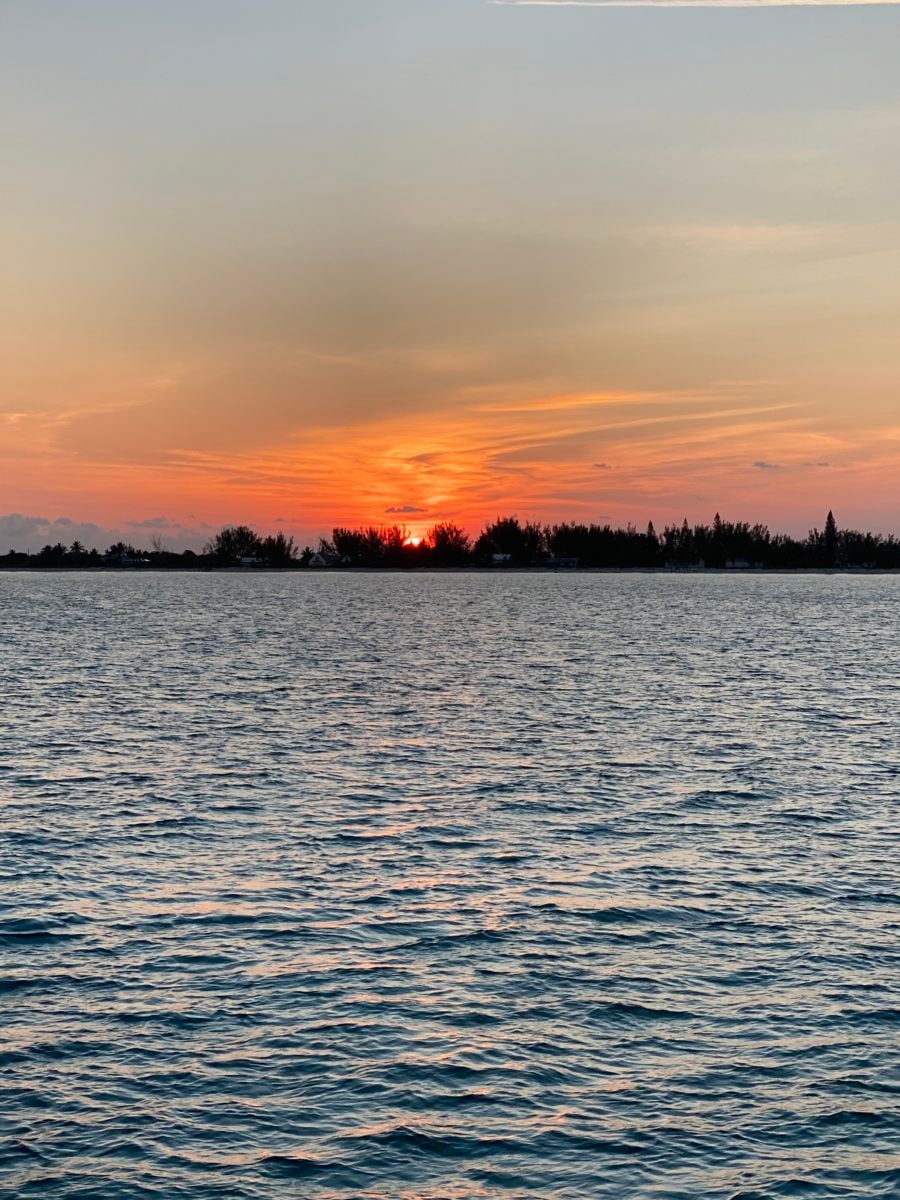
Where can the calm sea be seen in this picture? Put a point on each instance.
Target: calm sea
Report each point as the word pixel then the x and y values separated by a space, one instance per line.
pixel 392 886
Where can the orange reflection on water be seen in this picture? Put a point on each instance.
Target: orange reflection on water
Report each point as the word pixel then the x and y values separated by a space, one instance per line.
pixel 615 1085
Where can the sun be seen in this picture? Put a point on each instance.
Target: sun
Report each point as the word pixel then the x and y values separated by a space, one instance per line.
pixel 414 541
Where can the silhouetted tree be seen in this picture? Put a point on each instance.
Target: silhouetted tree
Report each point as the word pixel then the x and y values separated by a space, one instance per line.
pixel 722 543
pixel 394 549
pixel 830 540
pixel 523 544
pixel 603 546
pixel 684 546
pixel 375 546
pixel 122 550
pixel 233 543
pixel 52 556
pixel 348 544
pixel 278 551
pixel 450 545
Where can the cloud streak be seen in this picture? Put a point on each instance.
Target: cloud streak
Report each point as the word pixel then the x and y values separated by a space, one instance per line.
pixel 694 3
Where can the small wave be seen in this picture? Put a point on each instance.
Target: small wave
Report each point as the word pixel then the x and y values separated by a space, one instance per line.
pixel 299 1167
pixel 32 930
pixel 869 1016
pixel 616 914
pixel 623 1011
pixel 456 939
pixel 855 1116
pixel 436 1145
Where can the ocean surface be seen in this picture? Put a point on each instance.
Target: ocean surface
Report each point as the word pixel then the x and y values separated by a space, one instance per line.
pixel 449 887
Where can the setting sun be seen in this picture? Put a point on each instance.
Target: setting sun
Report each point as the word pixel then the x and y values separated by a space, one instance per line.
pixel 413 541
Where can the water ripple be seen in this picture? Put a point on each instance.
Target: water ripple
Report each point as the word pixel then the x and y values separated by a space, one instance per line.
pixel 449 887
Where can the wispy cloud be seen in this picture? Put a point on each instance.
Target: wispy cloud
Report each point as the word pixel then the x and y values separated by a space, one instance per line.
pixel 692 3
pixel 153 523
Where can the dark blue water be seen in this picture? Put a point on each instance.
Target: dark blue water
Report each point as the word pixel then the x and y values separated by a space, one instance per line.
pixel 449 887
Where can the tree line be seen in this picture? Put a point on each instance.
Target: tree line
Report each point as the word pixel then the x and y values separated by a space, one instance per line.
pixel 504 543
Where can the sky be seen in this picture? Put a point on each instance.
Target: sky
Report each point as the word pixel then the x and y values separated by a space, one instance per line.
pixel 301 263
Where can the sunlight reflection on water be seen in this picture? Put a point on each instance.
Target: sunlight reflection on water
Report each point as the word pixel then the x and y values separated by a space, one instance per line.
pixel 444 887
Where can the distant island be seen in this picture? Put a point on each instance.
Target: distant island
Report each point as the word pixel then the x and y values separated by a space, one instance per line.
pixel 504 543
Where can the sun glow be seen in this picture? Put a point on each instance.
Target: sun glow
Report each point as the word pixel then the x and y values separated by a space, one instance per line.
pixel 414 541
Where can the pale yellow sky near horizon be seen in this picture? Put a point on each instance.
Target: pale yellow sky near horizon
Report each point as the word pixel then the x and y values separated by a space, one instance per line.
pixel 306 264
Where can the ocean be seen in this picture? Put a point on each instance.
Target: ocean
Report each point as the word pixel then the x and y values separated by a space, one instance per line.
pixel 449 886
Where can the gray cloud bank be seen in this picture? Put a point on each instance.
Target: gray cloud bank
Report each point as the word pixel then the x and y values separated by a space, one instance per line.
pixel 21 532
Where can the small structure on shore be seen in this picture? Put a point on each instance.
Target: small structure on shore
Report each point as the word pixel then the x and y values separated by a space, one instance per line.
pixel 323 559
pixel 125 559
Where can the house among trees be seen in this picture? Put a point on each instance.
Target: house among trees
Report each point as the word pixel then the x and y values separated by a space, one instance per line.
pixel 121 555
pixel 323 558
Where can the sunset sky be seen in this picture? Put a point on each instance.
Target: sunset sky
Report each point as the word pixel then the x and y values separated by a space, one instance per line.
pixel 308 262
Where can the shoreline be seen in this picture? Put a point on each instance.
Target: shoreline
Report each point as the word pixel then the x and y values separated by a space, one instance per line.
pixel 498 571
